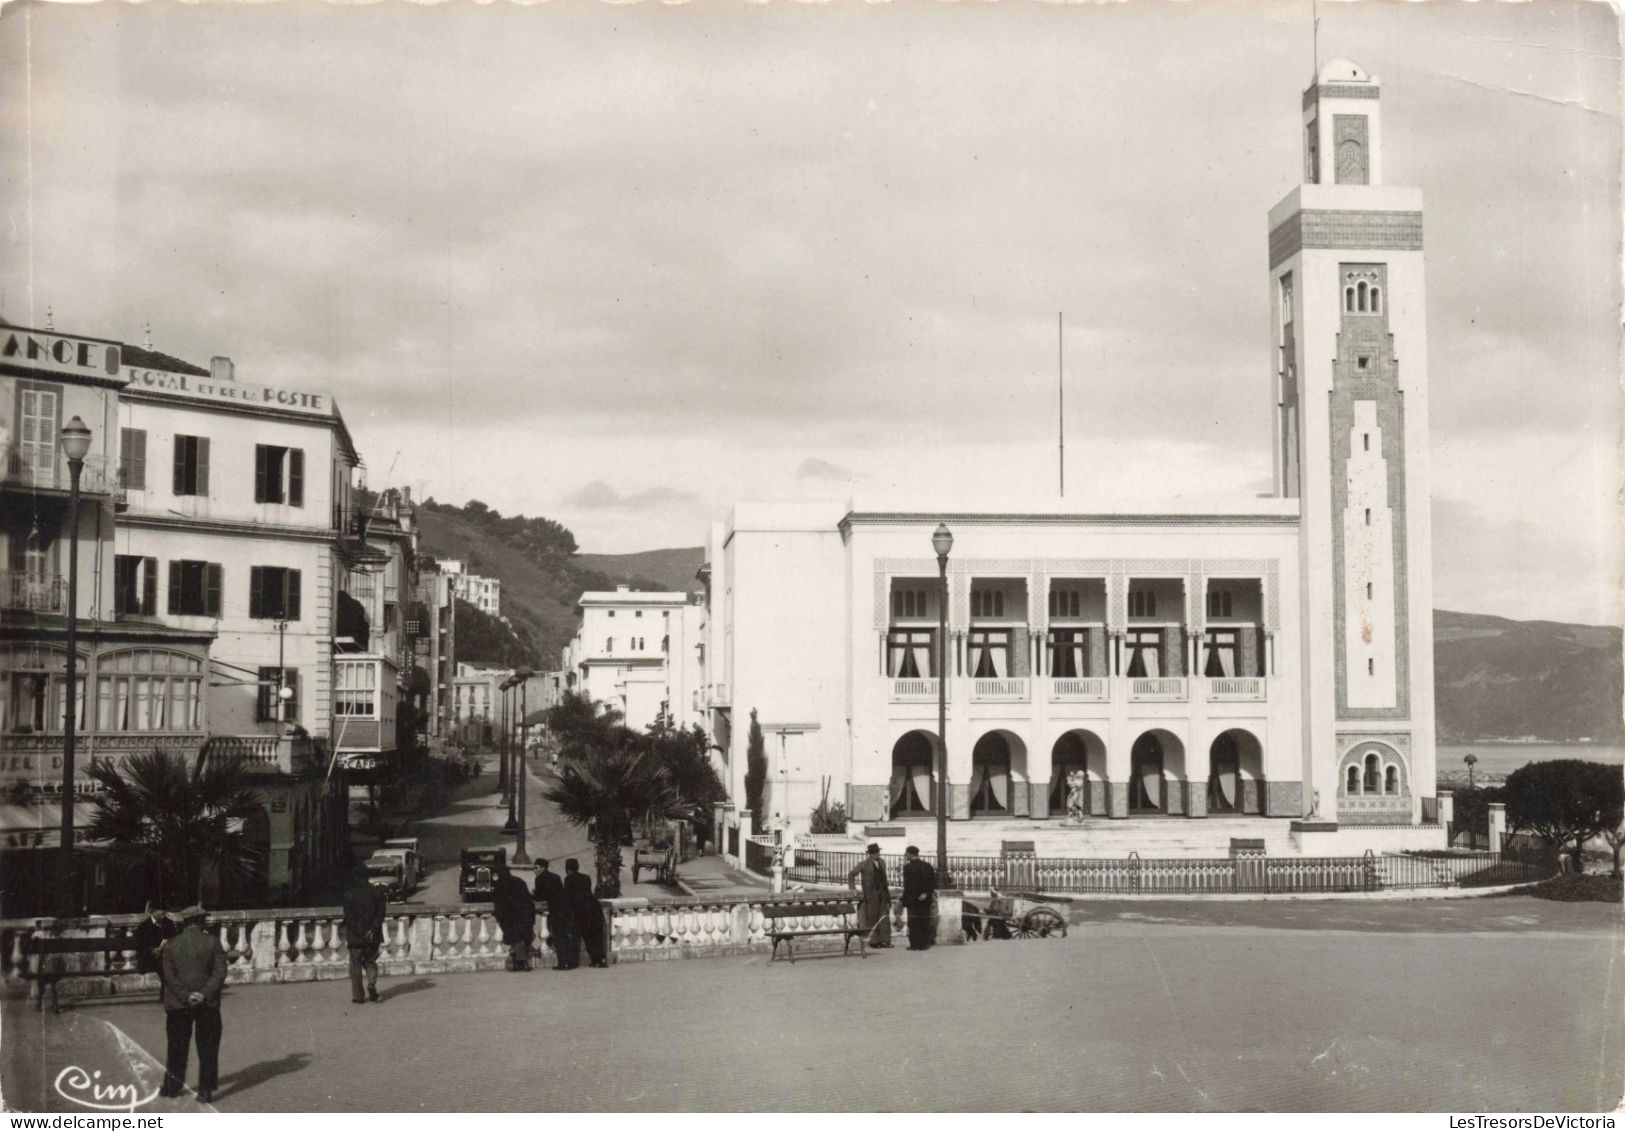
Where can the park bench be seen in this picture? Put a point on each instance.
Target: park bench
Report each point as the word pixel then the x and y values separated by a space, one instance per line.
pixel 47 973
pixel 774 925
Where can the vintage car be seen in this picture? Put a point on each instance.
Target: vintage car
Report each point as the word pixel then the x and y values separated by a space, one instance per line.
pixel 414 855
pixel 480 866
pixel 411 874
pixel 388 871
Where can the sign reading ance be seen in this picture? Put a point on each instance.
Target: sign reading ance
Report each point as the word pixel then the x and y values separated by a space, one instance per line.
pixel 236 392
pixel 53 353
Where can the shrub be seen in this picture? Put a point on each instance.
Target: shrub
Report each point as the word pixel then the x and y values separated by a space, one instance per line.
pixel 1575 888
pixel 827 818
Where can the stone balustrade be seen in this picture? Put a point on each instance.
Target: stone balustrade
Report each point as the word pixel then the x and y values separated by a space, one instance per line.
pixel 307 944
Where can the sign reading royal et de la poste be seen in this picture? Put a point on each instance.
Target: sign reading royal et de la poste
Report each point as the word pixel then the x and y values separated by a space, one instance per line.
pixel 231 392
pixel 46 352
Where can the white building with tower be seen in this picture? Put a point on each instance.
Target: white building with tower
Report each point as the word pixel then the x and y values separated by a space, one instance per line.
pixel 1258 667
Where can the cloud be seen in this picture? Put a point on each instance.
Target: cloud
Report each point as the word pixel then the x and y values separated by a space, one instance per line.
pixel 599 495
pixel 814 468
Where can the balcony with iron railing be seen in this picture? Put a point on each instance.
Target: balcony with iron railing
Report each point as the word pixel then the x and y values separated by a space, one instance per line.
pixel 33 592
pixel 1236 689
pixel 36 468
pixel 1082 689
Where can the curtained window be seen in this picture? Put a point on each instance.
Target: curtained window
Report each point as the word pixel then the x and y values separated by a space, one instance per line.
pixel 1068 658
pixel 910 653
pixel 1144 653
pixel 1221 654
pixel 989 653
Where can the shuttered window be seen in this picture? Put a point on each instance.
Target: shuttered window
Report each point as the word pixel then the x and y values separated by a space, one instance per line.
pixel 191 465
pixel 132 458
pixel 273 593
pixel 279 475
pixel 194 588
pixel 135 586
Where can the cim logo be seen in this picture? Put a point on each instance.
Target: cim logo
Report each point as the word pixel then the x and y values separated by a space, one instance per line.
pixel 53 353
pixel 87 1090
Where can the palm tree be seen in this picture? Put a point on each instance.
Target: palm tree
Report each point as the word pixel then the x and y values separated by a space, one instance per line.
pixel 607 788
pixel 170 819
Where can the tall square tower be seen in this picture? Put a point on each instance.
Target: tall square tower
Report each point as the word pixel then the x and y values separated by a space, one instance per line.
pixel 1351 412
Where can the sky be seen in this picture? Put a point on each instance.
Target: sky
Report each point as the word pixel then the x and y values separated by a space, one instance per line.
pixel 624 265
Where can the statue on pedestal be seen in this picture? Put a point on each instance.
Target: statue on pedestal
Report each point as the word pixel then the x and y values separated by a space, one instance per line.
pixel 1075 805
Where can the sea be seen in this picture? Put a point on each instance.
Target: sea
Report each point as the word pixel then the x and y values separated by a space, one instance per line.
pixel 1498 759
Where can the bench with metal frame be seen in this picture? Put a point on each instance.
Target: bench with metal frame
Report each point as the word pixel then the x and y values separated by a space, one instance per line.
pixel 841 909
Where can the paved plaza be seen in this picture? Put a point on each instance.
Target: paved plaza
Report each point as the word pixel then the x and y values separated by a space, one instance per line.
pixel 1494 1004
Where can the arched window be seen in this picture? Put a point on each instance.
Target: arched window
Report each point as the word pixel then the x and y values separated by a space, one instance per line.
pixel 1392 785
pixel 147 689
pixel 1354 779
pixel 1348 299
pixel 1373 774
pixel 1360 297
pixel 1376 300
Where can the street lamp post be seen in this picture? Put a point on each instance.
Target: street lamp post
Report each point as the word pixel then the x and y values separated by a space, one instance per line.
pixel 514 769
pixel 520 856
pixel 75 445
pixel 942 541
pixel 502 739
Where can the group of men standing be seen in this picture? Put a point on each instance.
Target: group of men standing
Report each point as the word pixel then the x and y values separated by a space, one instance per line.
pixel 574 917
pixel 874 898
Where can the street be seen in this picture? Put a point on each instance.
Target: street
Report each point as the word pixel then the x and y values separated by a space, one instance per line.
pixel 1517 1007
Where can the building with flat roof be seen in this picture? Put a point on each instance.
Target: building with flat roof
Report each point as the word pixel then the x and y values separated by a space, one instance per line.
pixel 638 653
pixel 1265 660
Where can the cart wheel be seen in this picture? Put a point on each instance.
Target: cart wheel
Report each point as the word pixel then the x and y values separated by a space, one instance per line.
pixel 1041 922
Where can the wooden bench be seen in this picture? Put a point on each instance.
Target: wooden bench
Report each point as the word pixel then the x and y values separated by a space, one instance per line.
pixel 47 978
pixel 779 932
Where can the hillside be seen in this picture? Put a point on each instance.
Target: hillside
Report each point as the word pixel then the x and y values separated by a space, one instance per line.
pixel 1499 678
pixel 670 569
pixel 539 590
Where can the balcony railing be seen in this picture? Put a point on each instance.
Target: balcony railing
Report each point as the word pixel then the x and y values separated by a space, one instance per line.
pixel 47 469
pixel 1163 689
pixel 998 691
pixel 33 592
pixel 914 691
pixel 1089 689
pixel 1236 689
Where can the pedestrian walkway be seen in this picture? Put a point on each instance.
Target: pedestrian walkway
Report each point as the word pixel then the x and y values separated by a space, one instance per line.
pixel 713 876
pixel 1119 1016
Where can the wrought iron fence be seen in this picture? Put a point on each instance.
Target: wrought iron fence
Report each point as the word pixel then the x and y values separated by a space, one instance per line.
pixel 759 854
pixel 1245 874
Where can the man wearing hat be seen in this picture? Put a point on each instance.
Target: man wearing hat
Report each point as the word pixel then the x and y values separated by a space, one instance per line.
pixel 194 971
pixel 919 897
pixel 874 901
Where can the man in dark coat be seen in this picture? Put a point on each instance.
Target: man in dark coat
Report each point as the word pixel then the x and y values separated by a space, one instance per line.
pixel 194 965
pixel 550 893
pixel 919 895
pixel 515 913
pixel 365 906
pixel 586 916
pixel 150 934
pixel 874 899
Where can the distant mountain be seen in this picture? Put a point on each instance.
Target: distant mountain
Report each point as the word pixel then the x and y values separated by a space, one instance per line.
pixel 672 569
pixel 1498 678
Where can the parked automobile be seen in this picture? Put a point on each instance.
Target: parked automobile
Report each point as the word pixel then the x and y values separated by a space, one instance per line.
pixel 414 855
pixel 478 878
pixel 388 871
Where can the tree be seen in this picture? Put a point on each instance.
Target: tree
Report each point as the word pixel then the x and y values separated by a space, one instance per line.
pixel 483 638
pixel 608 789
pixel 686 756
pixel 580 724
pixel 169 819
pixel 1472 810
pixel 755 769
pixel 1616 840
pixel 1566 802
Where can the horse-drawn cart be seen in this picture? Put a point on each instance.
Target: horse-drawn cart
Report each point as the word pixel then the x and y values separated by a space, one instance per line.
pixel 659 857
pixel 1015 914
